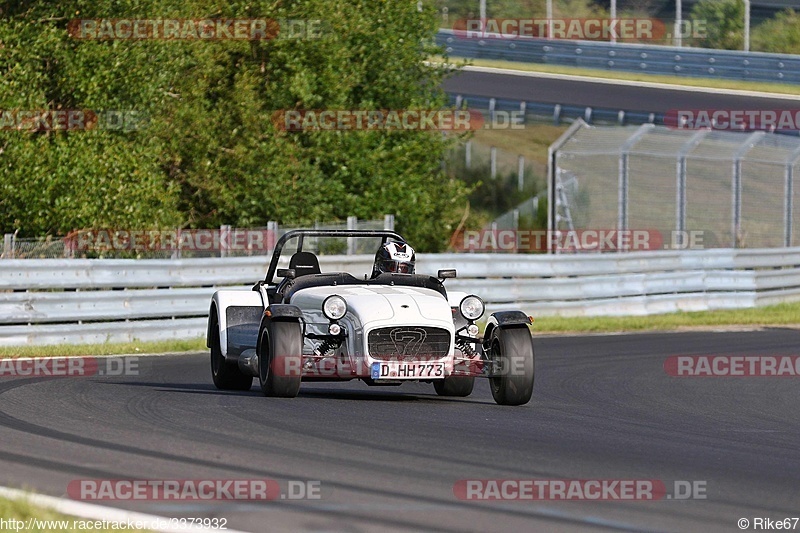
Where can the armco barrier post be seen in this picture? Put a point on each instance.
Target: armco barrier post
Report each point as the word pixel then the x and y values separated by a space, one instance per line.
pixel 352 223
pixel 788 190
pixel 224 234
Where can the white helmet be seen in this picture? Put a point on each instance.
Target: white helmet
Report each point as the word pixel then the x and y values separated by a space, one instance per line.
pixel 394 257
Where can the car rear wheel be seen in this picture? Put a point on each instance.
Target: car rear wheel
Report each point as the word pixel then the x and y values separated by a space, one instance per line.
pixel 280 348
pixel 226 376
pixel 511 352
pixel 454 386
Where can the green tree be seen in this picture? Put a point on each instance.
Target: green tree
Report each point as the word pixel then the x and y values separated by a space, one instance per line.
pixel 210 153
pixel 724 23
pixel 781 34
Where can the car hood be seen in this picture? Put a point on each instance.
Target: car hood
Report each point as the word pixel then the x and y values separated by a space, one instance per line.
pixel 382 304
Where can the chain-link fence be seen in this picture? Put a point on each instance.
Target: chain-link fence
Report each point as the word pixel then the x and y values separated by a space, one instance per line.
pixel 501 179
pixel 186 243
pixel 732 189
pixel 526 214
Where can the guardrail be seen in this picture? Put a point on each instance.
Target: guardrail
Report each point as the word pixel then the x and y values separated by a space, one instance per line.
pixel 557 113
pixel 53 301
pixel 653 59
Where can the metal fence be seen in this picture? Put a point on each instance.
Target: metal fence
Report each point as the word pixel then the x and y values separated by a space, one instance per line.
pixel 176 243
pixel 493 163
pixel 78 301
pixel 523 215
pixel 530 111
pixel 653 59
pixel 736 189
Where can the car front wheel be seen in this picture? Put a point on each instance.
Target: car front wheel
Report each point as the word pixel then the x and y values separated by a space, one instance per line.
pixel 459 386
pixel 280 348
pixel 511 353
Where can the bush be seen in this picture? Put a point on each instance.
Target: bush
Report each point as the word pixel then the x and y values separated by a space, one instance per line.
pixel 210 154
pixel 780 35
pixel 724 23
pixel 490 198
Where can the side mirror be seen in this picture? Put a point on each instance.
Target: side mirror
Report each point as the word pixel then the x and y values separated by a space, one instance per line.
pixel 447 273
pixel 286 273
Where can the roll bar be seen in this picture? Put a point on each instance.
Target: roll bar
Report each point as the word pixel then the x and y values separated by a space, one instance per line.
pixel 300 234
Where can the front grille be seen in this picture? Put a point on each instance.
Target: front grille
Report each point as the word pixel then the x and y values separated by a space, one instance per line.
pixel 404 343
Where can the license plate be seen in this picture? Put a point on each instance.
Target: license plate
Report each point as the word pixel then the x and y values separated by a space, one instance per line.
pixel 404 370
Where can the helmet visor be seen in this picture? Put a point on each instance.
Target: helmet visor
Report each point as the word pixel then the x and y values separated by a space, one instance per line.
pixel 401 267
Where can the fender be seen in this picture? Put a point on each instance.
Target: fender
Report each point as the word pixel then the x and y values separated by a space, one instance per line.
pixel 237 311
pixel 275 313
pixel 501 319
pixel 283 312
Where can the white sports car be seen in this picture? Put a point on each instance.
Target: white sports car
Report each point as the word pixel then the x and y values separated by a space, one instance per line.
pixel 334 326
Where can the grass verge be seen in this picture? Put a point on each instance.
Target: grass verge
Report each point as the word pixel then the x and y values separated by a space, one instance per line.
pixel 780 88
pixel 193 345
pixel 787 314
pixel 41 519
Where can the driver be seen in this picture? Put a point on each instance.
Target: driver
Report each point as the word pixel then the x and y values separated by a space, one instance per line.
pixel 394 257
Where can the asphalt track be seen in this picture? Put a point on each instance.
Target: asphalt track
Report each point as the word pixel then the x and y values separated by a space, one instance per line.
pixel 387 458
pixel 633 97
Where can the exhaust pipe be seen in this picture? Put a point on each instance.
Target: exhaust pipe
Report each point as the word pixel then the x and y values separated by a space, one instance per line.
pixel 248 362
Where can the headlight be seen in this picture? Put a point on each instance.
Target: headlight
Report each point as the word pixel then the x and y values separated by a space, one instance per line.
pixel 334 307
pixel 472 307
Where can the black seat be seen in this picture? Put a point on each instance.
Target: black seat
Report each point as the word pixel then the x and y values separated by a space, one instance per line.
pixel 304 264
